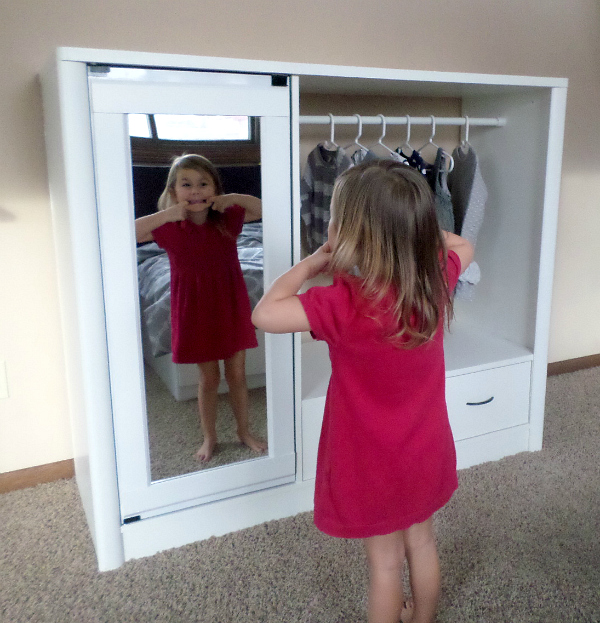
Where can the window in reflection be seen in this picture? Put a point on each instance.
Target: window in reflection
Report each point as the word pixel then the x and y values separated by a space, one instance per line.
pixel 202 128
pixel 139 126
pixel 224 140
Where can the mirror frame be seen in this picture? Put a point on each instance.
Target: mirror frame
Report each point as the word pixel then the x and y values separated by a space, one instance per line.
pixel 110 102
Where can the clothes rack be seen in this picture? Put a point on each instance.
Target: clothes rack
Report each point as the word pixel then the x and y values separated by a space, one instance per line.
pixel 368 120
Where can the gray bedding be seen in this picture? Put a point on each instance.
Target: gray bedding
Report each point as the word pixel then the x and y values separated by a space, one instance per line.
pixel 154 279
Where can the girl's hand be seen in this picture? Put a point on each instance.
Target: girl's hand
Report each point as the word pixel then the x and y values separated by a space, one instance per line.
pixel 318 262
pixel 462 247
pixel 252 205
pixel 220 203
pixel 177 212
pixel 181 211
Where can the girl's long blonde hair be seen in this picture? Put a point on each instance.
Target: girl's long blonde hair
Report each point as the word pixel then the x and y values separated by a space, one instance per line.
pixel 386 227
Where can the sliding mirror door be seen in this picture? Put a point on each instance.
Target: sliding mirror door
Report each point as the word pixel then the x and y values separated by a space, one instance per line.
pixel 241 123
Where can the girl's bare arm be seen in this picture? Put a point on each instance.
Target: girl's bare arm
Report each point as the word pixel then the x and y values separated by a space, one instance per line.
pixel 280 310
pixel 462 247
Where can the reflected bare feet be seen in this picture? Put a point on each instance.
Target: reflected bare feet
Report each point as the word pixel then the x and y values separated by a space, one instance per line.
pixel 206 451
pixel 258 445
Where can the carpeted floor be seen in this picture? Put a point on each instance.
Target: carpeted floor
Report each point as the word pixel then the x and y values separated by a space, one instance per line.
pixel 174 434
pixel 519 542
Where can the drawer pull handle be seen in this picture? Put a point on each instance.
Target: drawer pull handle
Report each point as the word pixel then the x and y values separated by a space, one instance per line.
pixel 483 402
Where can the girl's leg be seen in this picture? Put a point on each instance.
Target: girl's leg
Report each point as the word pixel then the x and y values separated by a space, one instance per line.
pixel 210 376
pixel 385 558
pixel 424 566
pixel 235 374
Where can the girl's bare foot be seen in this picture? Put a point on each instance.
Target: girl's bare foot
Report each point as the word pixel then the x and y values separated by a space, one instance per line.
pixel 206 451
pixel 253 443
pixel 407 611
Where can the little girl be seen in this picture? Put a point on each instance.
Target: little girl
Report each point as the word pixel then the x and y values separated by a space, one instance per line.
pixel 198 225
pixel 386 459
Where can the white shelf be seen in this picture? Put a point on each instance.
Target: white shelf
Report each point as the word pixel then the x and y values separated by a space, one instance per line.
pixel 468 350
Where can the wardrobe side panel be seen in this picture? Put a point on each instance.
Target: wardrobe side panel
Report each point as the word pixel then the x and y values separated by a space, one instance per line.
pixel 558 102
pixel 61 230
pixel 513 165
pixel 75 222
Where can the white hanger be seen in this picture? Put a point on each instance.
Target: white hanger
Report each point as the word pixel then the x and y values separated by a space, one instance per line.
pixel 430 142
pixel 465 140
pixel 380 141
pixel 407 139
pixel 465 146
pixel 359 121
pixel 331 145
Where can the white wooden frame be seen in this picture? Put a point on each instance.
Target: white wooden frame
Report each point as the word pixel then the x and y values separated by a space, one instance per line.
pixel 69 145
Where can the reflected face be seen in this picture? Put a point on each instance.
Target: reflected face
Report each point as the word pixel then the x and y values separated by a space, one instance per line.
pixel 193 186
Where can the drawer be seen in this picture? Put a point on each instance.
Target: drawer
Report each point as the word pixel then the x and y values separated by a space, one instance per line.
pixel 487 401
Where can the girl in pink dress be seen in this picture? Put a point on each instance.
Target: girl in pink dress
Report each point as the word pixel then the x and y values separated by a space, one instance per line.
pixel 198 225
pixel 386 460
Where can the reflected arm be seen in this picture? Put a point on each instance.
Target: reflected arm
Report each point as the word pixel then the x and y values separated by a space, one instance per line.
pixel 146 224
pixel 253 207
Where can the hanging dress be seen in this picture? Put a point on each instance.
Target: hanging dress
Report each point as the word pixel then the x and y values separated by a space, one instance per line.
pixel 437 176
pixel 469 196
pixel 316 188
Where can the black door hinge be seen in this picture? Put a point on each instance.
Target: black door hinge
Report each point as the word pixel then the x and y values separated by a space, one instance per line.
pixel 279 80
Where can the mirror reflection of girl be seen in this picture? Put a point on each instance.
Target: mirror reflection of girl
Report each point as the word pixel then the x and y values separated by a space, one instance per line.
pixel 386 460
pixel 198 225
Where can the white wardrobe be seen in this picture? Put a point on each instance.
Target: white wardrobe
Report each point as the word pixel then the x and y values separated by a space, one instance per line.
pixel 496 350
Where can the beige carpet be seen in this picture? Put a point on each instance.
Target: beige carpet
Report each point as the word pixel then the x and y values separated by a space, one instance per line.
pixel 519 542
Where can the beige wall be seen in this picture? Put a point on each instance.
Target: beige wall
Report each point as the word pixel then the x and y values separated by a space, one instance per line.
pixel 530 37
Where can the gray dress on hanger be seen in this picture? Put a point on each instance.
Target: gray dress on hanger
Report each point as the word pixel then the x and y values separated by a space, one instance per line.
pixel 437 177
pixel 469 196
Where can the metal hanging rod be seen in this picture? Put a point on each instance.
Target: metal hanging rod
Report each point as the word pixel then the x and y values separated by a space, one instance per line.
pixel 458 121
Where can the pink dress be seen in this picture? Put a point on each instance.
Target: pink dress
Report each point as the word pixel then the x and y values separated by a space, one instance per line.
pixel 386 455
pixel 210 308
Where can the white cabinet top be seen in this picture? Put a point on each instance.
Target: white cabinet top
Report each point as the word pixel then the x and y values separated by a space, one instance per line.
pixel 340 78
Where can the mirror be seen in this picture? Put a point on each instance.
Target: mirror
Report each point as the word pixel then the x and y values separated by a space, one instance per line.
pixel 144 489
pixel 175 434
